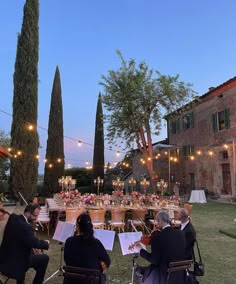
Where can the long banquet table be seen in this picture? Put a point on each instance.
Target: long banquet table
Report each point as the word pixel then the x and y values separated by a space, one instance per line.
pixel 53 206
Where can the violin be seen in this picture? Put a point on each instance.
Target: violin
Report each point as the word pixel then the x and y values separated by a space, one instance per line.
pixel 35 226
pixel 145 239
pixel 3 213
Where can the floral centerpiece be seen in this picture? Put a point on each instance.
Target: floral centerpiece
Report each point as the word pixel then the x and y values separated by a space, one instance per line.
pixel 69 197
pixel 175 199
pixel 89 198
pixel 106 199
pixel 118 193
pixel 153 199
pixel 135 194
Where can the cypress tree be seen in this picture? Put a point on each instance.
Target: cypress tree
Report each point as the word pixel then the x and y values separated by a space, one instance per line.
pixel 98 154
pixel 24 168
pixel 54 167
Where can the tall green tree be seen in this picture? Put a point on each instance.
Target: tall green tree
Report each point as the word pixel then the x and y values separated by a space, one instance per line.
pixel 54 167
pixel 98 153
pixel 4 163
pixel 24 168
pixel 136 98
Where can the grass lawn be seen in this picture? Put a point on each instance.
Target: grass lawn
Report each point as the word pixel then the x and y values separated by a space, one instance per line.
pixel 218 250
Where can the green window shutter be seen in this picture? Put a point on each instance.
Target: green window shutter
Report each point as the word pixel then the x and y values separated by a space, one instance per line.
pixel 214 122
pixel 184 124
pixel 185 151
pixel 177 125
pixel 191 119
pixel 227 121
pixel 170 126
pixel 191 149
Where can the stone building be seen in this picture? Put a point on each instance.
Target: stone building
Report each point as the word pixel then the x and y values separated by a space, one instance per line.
pixel 204 132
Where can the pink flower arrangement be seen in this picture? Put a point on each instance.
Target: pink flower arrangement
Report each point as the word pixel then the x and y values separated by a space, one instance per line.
pixel 118 192
pixel 69 196
pixel 89 199
pixel 134 194
pixel 124 202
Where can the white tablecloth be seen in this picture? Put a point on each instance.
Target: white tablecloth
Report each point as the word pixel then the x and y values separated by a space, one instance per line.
pixel 197 196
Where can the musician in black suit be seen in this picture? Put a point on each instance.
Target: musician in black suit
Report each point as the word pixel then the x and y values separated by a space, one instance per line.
pixel 85 251
pixel 16 255
pixel 166 246
pixel 189 232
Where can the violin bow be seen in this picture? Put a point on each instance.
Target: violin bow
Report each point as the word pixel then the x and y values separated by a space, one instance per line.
pixel 145 226
pixel 26 203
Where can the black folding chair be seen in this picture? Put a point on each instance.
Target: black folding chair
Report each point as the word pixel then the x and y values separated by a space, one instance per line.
pixel 177 266
pixel 3 279
pixel 90 276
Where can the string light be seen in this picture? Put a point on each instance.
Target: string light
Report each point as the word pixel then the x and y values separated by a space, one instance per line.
pixel 30 127
pixel 117 153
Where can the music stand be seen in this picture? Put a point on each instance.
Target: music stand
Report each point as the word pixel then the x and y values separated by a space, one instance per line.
pixel 63 231
pixel 133 267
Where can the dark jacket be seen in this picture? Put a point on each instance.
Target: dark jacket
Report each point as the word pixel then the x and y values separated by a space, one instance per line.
pixel 166 246
pixel 85 253
pixel 16 248
pixel 190 237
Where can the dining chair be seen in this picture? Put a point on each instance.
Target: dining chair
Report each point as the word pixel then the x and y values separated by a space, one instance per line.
pixel 98 218
pixel 117 220
pixel 72 214
pixel 189 207
pixel 153 222
pixel 138 218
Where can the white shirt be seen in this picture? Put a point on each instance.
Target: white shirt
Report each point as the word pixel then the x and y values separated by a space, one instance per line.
pixel 25 218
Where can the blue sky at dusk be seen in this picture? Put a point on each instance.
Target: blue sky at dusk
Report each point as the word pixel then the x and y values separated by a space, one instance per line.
pixel 193 38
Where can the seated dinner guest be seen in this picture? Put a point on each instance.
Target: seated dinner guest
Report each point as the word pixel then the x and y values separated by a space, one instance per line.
pixel 19 240
pixel 84 250
pixel 166 246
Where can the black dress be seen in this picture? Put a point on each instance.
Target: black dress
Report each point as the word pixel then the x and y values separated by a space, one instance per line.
pixel 85 253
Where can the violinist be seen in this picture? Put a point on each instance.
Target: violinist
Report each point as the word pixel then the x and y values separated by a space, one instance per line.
pixel 166 246
pixel 16 248
pixel 84 250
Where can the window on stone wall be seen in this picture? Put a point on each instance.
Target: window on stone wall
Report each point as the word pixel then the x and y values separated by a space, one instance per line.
pixel 174 126
pixel 220 120
pixel 188 150
pixel 224 155
pixel 188 121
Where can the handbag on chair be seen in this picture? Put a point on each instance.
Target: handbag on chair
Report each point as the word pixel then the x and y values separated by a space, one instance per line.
pixel 198 266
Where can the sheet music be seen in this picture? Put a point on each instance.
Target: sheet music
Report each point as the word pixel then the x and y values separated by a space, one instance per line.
pixel 106 237
pixel 63 231
pixel 128 239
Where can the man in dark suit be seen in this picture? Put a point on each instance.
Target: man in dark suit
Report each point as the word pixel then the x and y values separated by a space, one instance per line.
pixel 17 244
pixel 189 232
pixel 166 246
